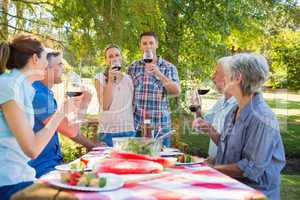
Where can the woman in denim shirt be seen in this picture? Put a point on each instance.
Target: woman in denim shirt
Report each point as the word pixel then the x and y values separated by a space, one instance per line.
pixel 250 149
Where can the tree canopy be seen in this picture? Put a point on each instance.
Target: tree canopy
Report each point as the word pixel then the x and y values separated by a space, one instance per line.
pixel 192 33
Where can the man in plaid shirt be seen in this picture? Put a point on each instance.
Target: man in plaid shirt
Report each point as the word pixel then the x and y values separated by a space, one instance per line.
pixel 153 82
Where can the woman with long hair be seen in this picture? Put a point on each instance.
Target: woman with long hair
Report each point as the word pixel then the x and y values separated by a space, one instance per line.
pixel 115 94
pixel 22 61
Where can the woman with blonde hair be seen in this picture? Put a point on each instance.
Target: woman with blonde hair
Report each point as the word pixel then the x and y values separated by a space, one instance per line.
pixel 115 95
pixel 26 59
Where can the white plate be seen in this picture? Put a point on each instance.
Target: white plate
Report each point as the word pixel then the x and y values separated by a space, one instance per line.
pixel 171 149
pixel 66 167
pixel 169 153
pixel 101 148
pixel 91 158
pixel 113 182
pixel 197 161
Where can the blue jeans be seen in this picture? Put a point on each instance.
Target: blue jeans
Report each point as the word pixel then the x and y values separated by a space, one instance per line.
pixel 107 137
pixel 7 191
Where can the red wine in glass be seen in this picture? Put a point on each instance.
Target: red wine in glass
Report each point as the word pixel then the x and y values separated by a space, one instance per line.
pixel 203 91
pixel 148 56
pixel 147 60
pixel 194 108
pixel 74 94
pixel 118 68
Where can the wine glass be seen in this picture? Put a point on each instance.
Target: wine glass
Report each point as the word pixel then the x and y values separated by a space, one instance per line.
pixel 115 65
pixel 74 88
pixel 194 101
pixel 148 56
pixel 205 86
pixel 74 85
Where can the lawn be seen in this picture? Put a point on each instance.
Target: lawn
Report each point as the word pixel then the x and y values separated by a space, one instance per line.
pixel 290 187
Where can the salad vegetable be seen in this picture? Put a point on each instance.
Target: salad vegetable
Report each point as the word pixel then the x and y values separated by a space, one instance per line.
pixel 145 147
pixel 185 158
pixel 89 179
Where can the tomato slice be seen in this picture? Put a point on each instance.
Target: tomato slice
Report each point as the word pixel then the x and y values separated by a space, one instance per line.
pixel 85 161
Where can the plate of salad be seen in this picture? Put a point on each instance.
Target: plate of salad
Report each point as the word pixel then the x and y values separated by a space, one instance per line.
pixel 187 159
pixel 84 181
pixel 81 164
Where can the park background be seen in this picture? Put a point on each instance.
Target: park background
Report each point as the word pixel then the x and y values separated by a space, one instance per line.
pixel 193 34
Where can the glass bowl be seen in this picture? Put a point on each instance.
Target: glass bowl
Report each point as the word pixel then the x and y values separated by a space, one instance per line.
pixel 138 145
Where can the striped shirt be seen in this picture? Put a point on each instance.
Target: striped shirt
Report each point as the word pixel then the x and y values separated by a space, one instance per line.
pixel 150 96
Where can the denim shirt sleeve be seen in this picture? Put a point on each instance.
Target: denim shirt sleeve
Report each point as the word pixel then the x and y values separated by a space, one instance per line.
pixel 259 148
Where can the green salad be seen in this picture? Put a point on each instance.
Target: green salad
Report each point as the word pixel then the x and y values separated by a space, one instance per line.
pixel 146 147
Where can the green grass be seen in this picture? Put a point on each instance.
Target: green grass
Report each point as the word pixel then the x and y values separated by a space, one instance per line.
pixel 280 103
pixel 290 187
pixel 291 140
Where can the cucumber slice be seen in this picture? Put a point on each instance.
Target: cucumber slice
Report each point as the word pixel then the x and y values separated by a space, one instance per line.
pixel 102 182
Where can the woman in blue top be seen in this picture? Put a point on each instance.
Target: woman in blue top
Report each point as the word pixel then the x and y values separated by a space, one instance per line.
pixel 250 147
pixel 25 57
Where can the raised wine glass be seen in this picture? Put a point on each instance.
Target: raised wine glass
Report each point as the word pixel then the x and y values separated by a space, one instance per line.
pixel 115 65
pixel 205 86
pixel 194 102
pixel 74 88
pixel 148 56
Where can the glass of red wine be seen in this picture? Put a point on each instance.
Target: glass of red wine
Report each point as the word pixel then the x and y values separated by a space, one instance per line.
pixel 116 64
pixel 194 102
pixel 205 86
pixel 148 56
pixel 74 88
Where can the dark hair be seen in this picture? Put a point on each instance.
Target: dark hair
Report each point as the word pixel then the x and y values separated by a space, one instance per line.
pixel 110 46
pixel 15 54
pixel 153 34
pixel 52 54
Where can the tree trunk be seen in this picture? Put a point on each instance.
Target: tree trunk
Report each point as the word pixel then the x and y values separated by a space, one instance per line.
pixel 4 20
pixel 19 11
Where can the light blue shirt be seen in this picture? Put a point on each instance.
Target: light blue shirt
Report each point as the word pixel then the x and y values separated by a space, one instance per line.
pixel 254 143
pixel 216 117
pixel 13 162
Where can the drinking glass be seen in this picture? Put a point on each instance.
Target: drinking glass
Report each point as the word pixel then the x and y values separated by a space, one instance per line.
pixel 74 88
